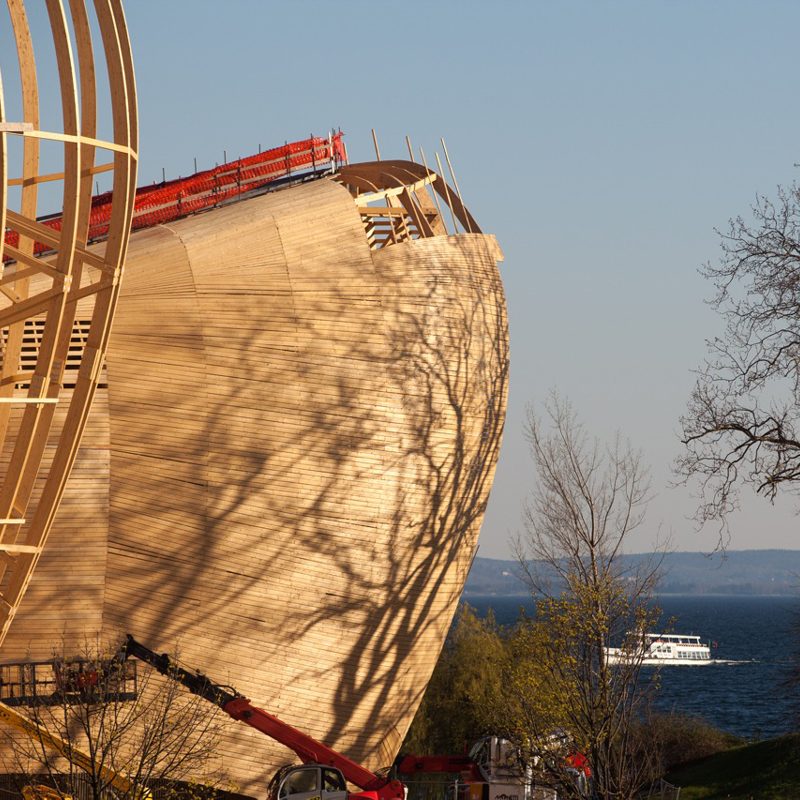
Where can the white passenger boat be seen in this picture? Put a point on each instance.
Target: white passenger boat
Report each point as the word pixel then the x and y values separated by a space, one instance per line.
pixel 663 649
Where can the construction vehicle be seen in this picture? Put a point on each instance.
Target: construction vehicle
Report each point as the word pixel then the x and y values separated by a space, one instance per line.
pixel 324 774
pixel 492 770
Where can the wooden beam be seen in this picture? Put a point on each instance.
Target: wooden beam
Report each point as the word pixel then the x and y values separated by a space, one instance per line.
pixel 34 305
pixel 58 176
pixel 395 191
pixel 16 127
pixel 56 309
pixel 34 266
pixel 42 233
pixel 24 400
pixel 381 211
pixel 18 548
pixel 68 138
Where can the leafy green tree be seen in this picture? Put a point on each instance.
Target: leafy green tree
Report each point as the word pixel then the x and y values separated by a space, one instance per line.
pixel 534 703
pixel 462 699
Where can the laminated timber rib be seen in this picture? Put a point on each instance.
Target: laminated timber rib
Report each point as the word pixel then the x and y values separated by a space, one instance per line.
pixel 48 273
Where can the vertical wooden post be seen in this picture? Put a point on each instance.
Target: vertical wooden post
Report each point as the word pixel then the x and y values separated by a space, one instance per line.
pixel 455 181
pixel 447 193
pixel 410 148
pixel 375 145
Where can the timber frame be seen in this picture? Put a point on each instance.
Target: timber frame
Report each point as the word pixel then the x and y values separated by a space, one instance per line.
pixel 41 422
pixel 401 200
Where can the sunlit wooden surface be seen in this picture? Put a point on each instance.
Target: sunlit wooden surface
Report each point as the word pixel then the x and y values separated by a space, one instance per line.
pixel 286 474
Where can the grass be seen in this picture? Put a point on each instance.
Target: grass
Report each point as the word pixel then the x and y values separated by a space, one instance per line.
pixel 767 770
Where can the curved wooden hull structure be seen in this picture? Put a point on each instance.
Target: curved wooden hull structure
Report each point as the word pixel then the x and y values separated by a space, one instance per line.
pixel 289 456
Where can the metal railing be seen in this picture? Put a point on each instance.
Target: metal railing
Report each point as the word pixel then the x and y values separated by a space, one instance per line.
pixel 54 682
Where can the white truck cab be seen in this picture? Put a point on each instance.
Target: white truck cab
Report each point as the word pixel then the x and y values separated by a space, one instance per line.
pixel 308 782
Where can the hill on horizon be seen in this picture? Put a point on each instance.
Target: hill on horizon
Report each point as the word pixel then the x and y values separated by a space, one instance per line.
pixel 747 572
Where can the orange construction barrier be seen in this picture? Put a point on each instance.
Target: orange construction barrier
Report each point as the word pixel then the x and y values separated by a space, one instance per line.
pixel 171 200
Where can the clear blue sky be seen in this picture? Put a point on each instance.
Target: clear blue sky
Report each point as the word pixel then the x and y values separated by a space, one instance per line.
pixel 601 142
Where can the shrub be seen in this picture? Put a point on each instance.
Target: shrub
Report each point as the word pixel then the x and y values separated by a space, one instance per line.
pixel 683 738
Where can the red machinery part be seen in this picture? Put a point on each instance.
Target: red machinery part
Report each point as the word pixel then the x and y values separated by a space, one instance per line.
pixel 412 764
pixel 171 200
pixel 310 750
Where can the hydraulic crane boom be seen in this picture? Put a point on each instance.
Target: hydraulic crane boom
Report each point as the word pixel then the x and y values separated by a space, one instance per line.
pixel 240 708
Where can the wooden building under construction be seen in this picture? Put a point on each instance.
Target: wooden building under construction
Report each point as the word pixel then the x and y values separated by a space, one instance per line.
pixel 295 422
pixel 289 454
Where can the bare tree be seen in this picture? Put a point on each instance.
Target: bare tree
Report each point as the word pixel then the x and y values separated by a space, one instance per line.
pixel 742 424
pixel 587 500
pixel 137 733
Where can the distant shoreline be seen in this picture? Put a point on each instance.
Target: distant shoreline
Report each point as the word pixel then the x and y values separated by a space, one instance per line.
pixel 734 573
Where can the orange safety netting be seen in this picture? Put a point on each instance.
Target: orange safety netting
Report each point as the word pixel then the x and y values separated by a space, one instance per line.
pixel 171 200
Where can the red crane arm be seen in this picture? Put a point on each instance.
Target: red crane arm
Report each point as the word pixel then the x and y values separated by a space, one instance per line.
pixel 309 749
pixel 240 708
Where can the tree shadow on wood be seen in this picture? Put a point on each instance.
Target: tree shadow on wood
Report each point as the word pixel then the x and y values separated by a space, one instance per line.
pixel 300 522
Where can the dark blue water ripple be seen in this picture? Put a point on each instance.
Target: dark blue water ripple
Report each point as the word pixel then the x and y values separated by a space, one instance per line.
pixel 747 698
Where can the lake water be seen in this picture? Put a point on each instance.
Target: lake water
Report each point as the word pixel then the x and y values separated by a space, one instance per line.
pixel 748 698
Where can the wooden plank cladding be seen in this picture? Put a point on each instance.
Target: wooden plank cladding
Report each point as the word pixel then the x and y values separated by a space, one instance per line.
pixel 286 474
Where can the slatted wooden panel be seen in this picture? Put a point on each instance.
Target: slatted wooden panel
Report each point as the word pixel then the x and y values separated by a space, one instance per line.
pixel 64 600
pixel 302 435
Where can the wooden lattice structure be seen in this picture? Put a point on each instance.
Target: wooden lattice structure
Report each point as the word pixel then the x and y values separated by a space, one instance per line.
pixel 52 356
